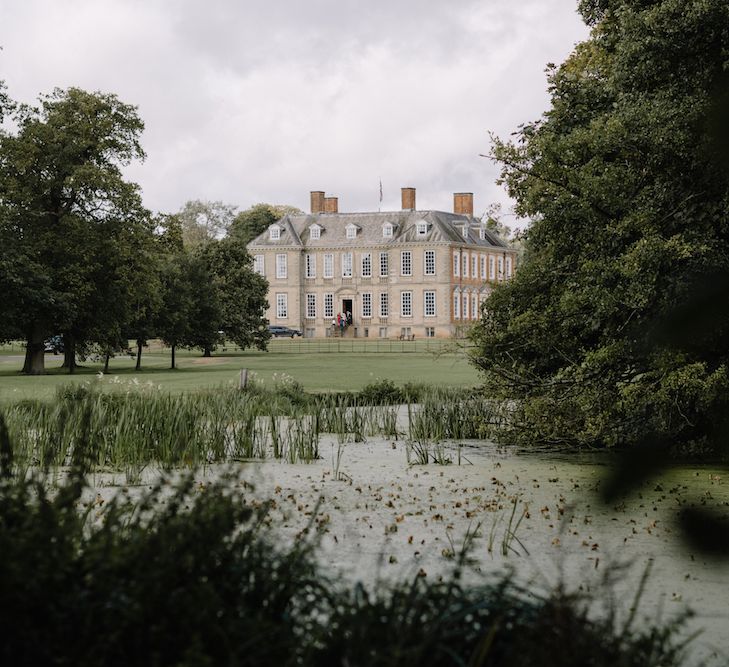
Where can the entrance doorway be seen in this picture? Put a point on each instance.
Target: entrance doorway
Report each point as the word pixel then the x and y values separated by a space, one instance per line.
pixel 347 309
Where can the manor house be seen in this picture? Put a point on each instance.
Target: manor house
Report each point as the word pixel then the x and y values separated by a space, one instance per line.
pixel 402 274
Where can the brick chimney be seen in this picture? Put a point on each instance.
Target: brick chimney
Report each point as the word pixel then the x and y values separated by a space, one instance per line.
pixel 408 199
pixel 317 201
pixel 463 203
pixel 331 205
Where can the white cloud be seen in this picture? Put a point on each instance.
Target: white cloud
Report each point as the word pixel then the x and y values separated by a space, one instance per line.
pixel 264 101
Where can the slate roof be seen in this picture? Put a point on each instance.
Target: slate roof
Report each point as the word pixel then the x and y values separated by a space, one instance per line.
pixel 442 227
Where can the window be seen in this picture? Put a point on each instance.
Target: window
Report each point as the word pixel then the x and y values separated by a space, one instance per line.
pixel 282 306
pixel 346 265
pixel 274 232
pixel 508 267
pixel 465 265
pixel 465 231
pixel 314 232
pixel 406 304
pixel 366 304
pixel 492 267
pixel 465 306
pixel 429 304
pixel 474 306
pixel 384 304
pixel 422 228
pixel 483 267
pixel 351 231
pixel 366 265
pixel 406 263
pixel 384 264
pixel 258 265
pixel 430 332
pixel 383 332
pixel 430 262
pixel 310 306
pixel 311 266
pixel 386 230
pixel 474 265
pixel 501 268
pixel 457 263
pixel 280 266
pixel 329 265
pixel 482 233
pixel 328 306
pixel 456 306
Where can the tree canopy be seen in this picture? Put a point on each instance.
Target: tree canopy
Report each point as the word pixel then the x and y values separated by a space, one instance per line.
pixel 257 219
pixel 615 328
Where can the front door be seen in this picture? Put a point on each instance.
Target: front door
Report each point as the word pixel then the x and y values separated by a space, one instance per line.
pixel 347 310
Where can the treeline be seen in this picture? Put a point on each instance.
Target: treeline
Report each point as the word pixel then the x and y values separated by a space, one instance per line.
pixel 81 257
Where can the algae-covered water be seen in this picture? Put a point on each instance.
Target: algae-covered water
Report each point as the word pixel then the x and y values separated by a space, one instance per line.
pixel 379 517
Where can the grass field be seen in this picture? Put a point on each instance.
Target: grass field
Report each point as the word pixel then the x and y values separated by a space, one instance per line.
pixel 317 365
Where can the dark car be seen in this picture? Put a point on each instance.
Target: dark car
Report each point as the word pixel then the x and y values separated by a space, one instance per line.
pixel 285 332
pixel 54 345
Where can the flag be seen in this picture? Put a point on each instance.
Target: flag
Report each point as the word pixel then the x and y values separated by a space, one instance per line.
pixel 380 191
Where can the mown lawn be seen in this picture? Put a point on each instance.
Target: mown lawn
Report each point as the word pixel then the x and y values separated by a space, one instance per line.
pixel 314 368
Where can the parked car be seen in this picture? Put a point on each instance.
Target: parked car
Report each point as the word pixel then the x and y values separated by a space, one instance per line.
pixel 285 332
pixel 54 345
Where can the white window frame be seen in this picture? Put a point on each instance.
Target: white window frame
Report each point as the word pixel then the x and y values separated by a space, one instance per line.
pixel 282 306
pixel 310 265
pixel 456 305
pixel 474 306
pixel 464 265
pixel 366 265
pixel 328 306
pixel 509 267
pixel 384 263
pixel 384 304
pixel 314 232
pixel 346 265
pixel 483 267
pixel 329 265
pixel 465 231
pixel 406 303
pixel 274 232
pixel 457 263
pixel 310 306
pixel 281 265
pixel 482 233
pixel 421 228
pixel 501 268
pixel 492 267
pixel 387 231
pixel 406 255
pixel 466 305
pixel 429 263
pixel 366 305
pixel 259 264
pixel 429 309
pixel 351 231
pixel 474 265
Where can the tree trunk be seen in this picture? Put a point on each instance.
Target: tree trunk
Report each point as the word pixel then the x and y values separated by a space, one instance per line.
pixel 138 365
pixel 69 352
pixel 34 353
pixel 207 352
pixel 106 363
pixel 173 357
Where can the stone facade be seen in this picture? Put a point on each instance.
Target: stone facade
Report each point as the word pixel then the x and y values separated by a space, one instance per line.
pixel 402 274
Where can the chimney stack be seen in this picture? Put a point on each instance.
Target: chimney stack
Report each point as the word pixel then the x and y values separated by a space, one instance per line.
pixel 408 199
pixel 463 203
pixel 331 205
pixel 317 201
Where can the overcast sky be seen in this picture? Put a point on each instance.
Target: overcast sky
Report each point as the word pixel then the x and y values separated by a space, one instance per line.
pixel 250 101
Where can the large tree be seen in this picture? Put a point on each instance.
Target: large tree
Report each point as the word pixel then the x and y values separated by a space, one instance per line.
pixel 615 329
pixel 204 221
pixel 66 213
pixel 257 219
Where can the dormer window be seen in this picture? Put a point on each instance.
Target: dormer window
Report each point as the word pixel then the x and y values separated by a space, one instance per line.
pixel 315 232
pixel 482 233
pixel 387 230
pixel 465 231
pixel 351 231
pixel 422 228
pixel 274 232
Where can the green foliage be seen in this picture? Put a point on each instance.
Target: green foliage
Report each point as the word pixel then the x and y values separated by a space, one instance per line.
pixel 382 392
pixel 595 341
pixel 191 575
pixel 257 219
pixel 204 221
